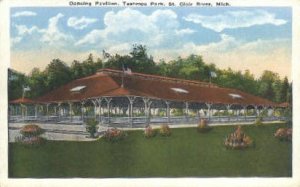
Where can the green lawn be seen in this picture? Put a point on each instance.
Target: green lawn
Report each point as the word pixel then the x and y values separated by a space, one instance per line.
pixel 186 153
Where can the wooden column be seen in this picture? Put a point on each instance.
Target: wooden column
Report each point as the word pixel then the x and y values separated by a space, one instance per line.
pixel 146 100
pixel 147 103
pixel 186 111
pixel 26 111
pixel 35 111
pixel 131 101
pixel 47 111
pixel 208 105
pixel 198 112
pixel 108 100
pixel 256 110
pixel 245 112
pixel 228 108
pixel 168 111
pixel 70 110
pixel 81 108
pixel 95 108
pixel 99 101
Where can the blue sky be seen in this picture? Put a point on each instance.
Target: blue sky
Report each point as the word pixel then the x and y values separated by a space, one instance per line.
pixel 255 38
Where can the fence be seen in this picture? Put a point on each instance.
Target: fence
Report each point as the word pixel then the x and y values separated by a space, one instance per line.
pixel 139 121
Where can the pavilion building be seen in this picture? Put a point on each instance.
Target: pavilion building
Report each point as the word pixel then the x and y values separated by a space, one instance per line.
pixel 118 98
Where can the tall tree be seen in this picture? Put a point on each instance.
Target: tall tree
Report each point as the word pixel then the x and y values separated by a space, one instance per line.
pixel 284 90
pixel 76 69
pixel 290 94
pixel 88 66
pixel 37 83
pixel 268 86
pixel 16 81
pixel 58 73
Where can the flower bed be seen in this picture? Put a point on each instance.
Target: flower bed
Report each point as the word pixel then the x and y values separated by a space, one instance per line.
pixel 203 127
pixel 165 130
pixel 238 140
pixel 30 135
pixel 149 132
pixel 284 134
pixel 32 141
pixel 114 135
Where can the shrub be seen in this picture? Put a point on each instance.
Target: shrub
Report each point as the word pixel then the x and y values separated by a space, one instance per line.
pixel 165 130
pixel 114 135
pixel 202 126
pixel 31 130
pixel 238 140
pixel 258 121
pixel 149 132
pixel 31 141
pixel 284 134
pixel 30 135
pixel 91 127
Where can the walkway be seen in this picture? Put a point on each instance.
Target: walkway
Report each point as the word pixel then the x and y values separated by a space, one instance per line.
pixel 72 132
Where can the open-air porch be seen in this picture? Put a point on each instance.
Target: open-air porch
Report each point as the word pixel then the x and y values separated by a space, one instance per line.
pixel 134 111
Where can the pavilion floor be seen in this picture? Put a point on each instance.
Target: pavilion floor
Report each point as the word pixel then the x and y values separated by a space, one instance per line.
pixel 69 131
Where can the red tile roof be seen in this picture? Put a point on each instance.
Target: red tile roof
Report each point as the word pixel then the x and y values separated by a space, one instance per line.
pixel 22 101
pixel 284 105
pixel 107 82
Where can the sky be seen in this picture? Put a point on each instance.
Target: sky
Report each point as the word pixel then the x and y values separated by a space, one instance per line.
pixel 253 38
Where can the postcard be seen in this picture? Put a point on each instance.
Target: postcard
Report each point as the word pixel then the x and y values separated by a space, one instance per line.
pixel 156 93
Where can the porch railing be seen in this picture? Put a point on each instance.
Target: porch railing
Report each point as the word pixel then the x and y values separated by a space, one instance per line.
pixel 139 121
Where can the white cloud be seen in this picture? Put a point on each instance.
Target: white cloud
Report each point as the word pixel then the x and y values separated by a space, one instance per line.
pixel 235 19
pixel 80 23
pixel 52 34
pixel 163 35
pixel 227 43
pixel 16 40
pixel 121 49
pixel 25 35
pixel 257 56
pixel 24 13
pixel 23 29
pixel 91 38
pixel 133 26
pixel 185 31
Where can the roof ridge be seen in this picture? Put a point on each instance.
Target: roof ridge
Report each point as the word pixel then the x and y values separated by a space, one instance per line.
pixel 159 77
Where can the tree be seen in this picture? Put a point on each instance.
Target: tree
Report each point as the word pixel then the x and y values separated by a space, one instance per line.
pixel 193 67
pixel 58 73
pixel 269 85
pixel 115 62
pixel 98 64
pixel 269 93
pixel 76 69
pixel 290 94
pixel 137 60
pixel 88 66
pixel 284 90
pixel 140 61
pixel 37 83
pixel 16 81
pixel 139 51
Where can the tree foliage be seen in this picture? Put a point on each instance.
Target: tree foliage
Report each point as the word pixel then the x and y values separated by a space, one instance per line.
pixel 57 73
pixel 16 81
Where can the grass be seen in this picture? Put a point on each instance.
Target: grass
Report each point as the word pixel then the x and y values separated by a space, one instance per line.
pixel 186 153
